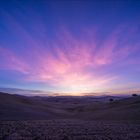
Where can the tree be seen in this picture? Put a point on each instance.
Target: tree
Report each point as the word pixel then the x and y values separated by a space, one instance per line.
pixel 111 100
pixel 134 95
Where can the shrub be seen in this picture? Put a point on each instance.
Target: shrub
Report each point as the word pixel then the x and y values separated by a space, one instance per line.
pixel 111 100
pixel 134 95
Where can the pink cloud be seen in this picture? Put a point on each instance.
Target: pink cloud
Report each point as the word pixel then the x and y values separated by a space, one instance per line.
pixel 10 61
pixel 66 61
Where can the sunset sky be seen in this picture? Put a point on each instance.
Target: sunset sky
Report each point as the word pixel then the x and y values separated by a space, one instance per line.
pixel 70 46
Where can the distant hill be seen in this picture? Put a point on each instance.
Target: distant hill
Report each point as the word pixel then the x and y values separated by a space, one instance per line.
pixel 123 109
pixel 17 107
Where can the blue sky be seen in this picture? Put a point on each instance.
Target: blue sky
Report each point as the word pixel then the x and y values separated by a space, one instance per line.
pixel 70 46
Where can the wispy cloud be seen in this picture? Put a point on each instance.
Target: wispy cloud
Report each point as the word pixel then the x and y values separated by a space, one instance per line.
pixel 68 61
pixel 10 61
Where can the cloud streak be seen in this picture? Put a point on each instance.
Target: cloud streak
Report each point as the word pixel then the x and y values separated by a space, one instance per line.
pixel 67 61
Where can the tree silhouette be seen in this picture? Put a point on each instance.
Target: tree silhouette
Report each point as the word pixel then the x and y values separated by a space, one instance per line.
pixel 111 100
pixel 134 95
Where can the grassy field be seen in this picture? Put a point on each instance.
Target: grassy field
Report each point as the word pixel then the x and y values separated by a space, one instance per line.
pixel 68 130
pixel 69 118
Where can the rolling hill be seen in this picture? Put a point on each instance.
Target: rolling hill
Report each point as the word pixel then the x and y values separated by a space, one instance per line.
pixel 17 107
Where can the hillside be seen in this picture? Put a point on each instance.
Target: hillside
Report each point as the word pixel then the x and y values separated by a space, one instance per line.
pixel 123 109
pixel 17 107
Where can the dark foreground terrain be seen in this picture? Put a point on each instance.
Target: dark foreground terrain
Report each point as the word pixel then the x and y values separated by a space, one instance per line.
pixel 68 130
pixel 69 118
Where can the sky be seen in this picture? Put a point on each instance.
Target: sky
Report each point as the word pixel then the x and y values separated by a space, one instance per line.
pixel 70 47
